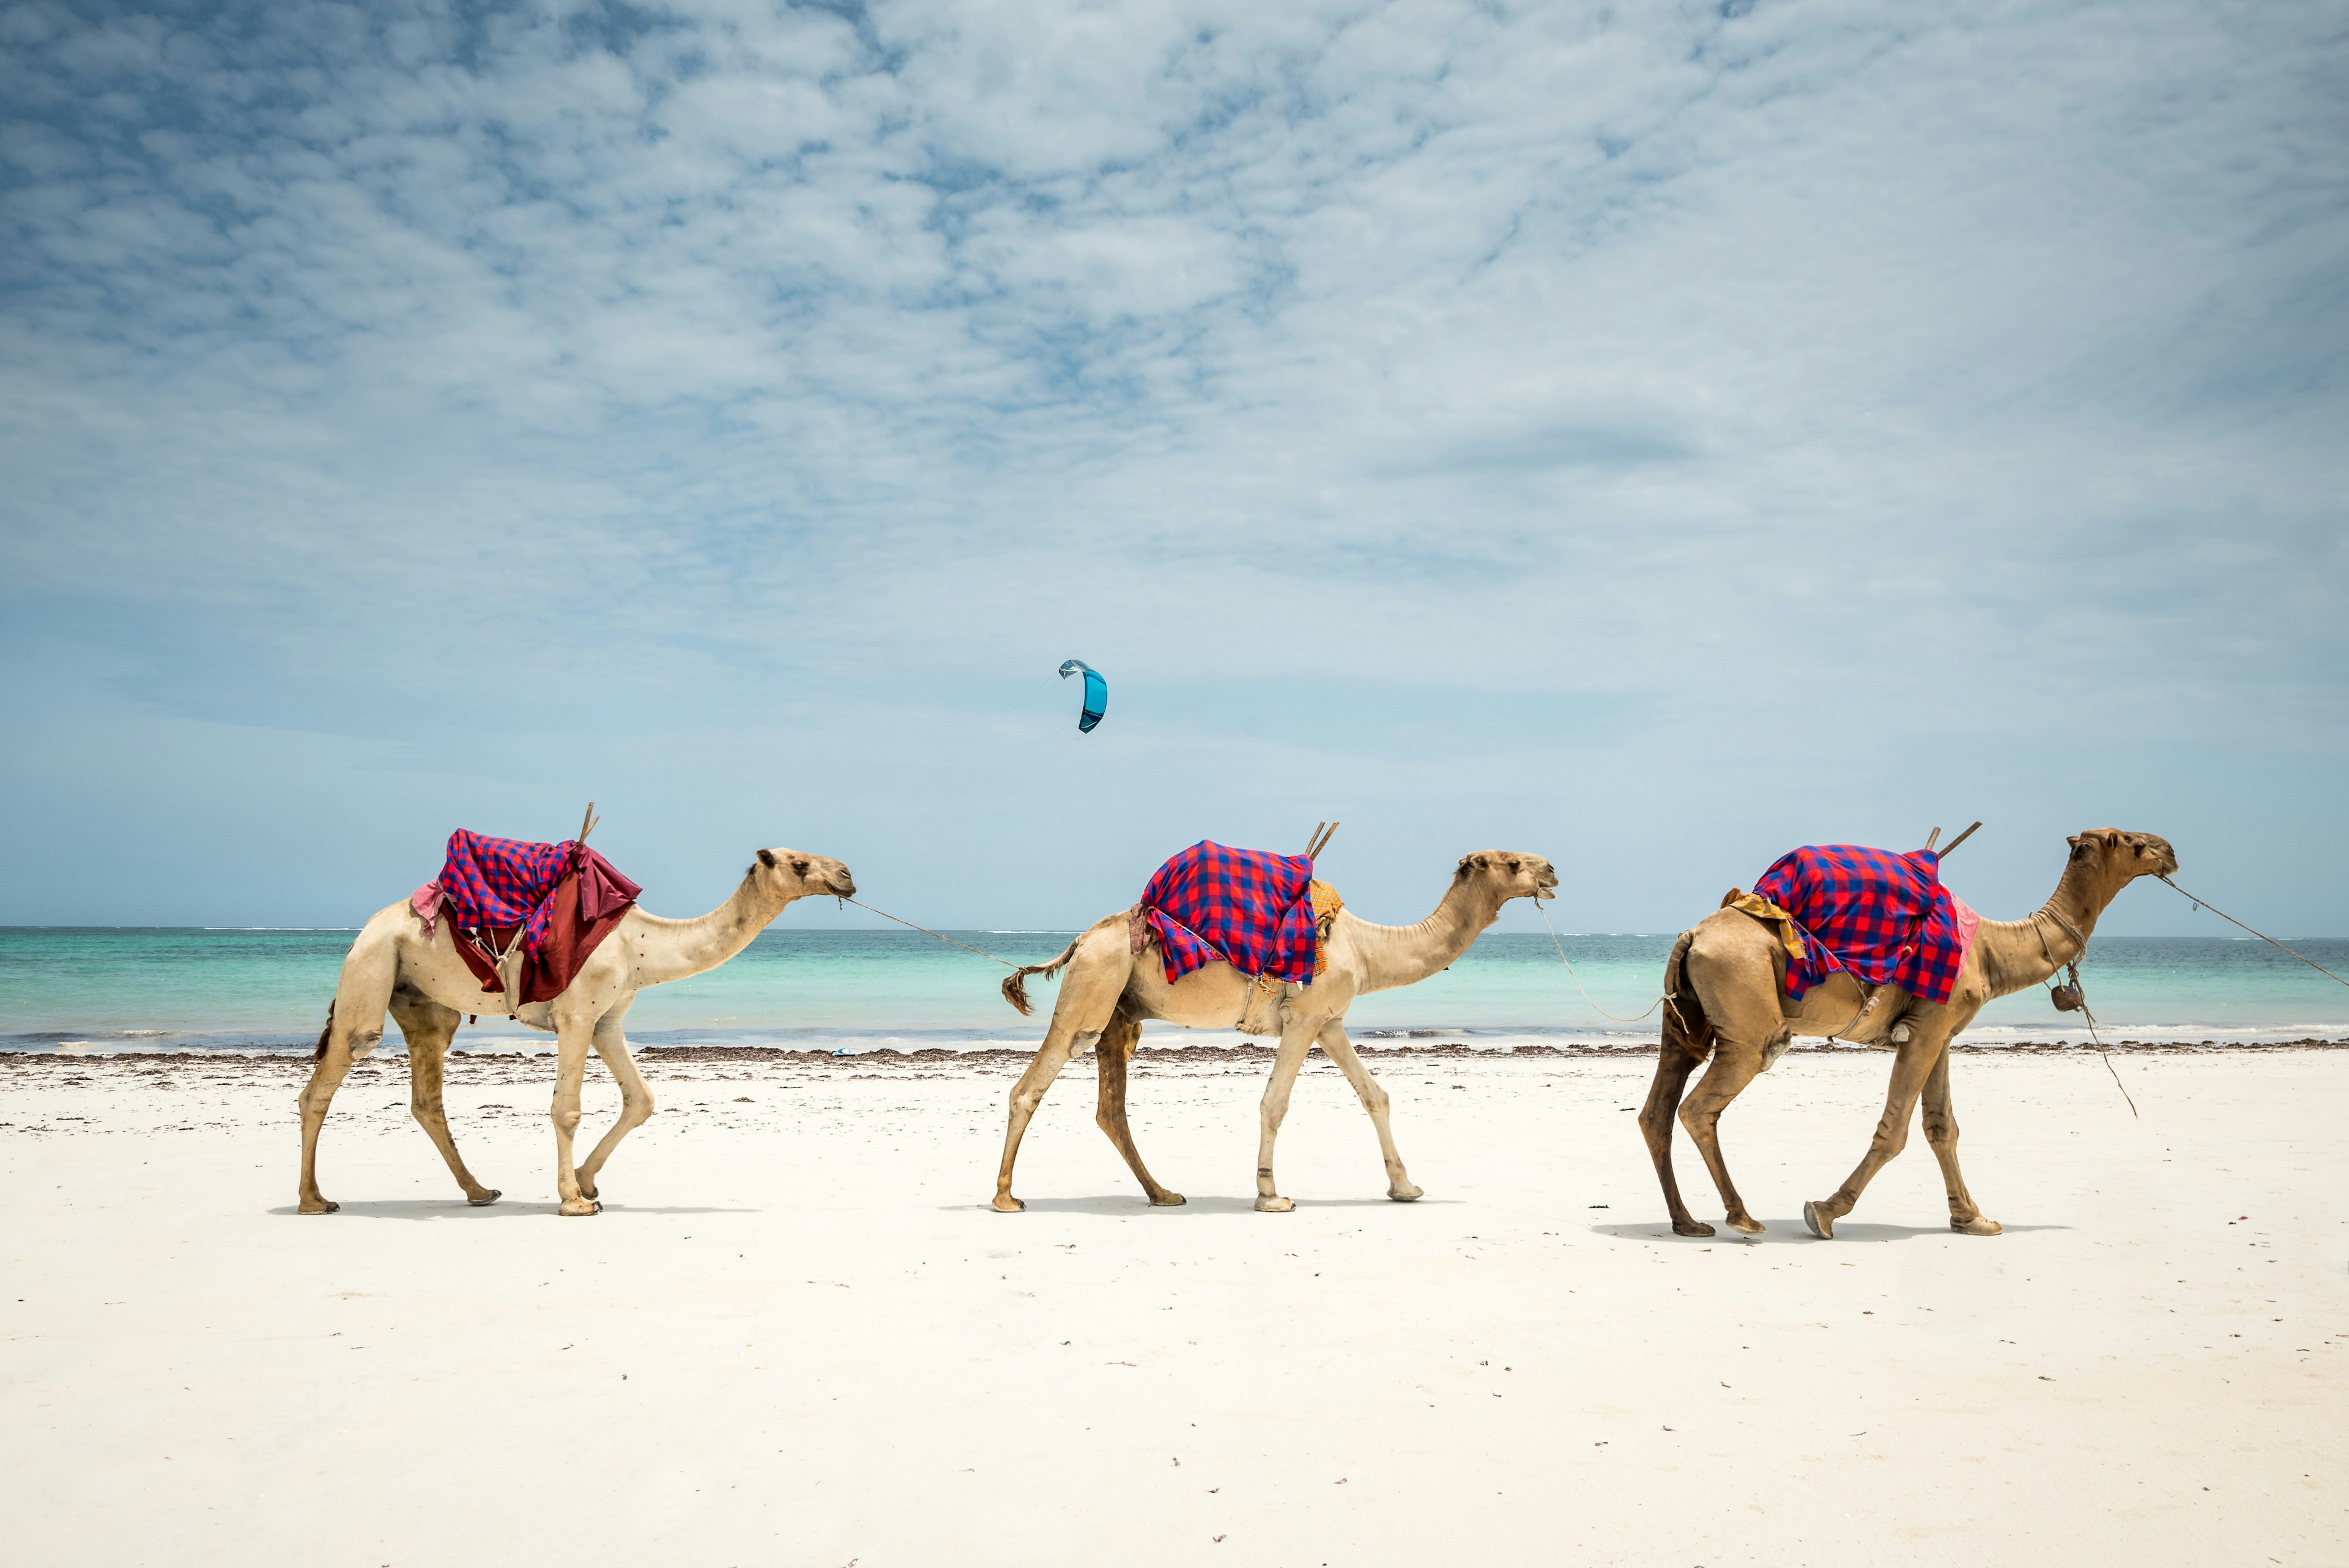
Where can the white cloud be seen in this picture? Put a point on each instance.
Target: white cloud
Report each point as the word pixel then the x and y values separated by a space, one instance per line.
pixel 1741 396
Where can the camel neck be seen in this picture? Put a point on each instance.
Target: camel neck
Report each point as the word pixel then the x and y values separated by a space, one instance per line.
pixel 673 949
pixel 2021 953
pixel 1396 956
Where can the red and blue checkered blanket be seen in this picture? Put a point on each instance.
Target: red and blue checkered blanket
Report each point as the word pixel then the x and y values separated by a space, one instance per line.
pixel 504 882
pixel 1248 908
pixel 1884 917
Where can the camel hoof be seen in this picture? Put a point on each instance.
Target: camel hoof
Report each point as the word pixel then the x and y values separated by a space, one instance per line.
pixel 492 1195
pixel 1404 1194
pixel 1978 1225
pixel 1691 1228
pixel 1274 1205
pixel 1821 1223
pixel 580 1208
pixel 1168 1201
pixel 1747 1223
pixel 1007 1204
pixel 320 1207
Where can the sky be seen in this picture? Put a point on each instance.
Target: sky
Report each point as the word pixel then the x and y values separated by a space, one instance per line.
pixel 1650 436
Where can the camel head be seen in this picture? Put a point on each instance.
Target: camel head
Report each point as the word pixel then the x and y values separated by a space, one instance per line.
pixel 789 874
pixel 1507 874
pixel 2112 859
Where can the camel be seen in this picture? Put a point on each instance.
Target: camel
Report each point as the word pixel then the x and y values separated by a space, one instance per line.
pixel 1724 983
pixel 394 963
pixel 1110 990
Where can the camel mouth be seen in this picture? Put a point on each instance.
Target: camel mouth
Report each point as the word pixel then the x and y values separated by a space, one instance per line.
pixel 845 885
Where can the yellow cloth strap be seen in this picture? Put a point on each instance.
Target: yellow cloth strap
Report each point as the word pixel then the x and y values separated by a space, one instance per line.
pixel 1326 905
pixel 1769 914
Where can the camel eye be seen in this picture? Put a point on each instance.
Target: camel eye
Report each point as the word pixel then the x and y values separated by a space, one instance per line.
pixel 800 866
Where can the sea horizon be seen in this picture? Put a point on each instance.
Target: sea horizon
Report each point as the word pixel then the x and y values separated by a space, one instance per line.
pixel 111 990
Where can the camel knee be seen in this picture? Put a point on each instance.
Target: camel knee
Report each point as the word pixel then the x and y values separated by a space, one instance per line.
pixel 1656 1127
pixel 1374 1099
pixel 637 1109
pixel 565 1119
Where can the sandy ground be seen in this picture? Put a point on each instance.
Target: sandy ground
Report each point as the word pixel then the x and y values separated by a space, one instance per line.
pixel 796 1337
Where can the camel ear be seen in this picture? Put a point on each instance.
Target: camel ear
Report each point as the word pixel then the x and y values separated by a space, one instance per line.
pixel 767 858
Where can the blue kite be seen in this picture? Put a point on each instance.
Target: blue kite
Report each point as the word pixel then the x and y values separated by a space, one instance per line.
pixel 1096 693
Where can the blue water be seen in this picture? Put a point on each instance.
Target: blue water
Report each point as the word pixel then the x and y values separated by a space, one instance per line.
pixel 173 988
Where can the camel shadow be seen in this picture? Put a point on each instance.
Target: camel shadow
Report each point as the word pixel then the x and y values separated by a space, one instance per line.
pixel 459 1209
pixel 1794 1230
pixel 1124 1205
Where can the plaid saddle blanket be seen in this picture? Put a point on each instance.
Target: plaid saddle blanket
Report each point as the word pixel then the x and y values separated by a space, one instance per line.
pixel 502 883
pixel 1884 918
pixel 1250 909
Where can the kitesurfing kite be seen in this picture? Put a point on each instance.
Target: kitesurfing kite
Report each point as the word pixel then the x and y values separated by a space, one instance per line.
pixel 1096 692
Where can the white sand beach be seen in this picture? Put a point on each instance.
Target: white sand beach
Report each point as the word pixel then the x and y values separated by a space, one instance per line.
pixel 796 1334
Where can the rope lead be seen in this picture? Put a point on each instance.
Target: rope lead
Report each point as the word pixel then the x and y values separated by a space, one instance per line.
pixel 928 932
pixel 1577 979
pixel 2206 904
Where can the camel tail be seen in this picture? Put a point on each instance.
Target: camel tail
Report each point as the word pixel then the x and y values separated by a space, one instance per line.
pixel 320 1054
pixel 1686 1028
pixel 1015 984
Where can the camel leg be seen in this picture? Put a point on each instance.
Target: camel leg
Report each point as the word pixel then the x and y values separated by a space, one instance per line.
pixel 635 1096
pixel 1673 1064
pixel 1293 1046
pixel 570 1071
pixel 1026 1096
pixel 1109 1056
pixel 1374 1100
pixel 1909 1071
pixel 316 1096
pixel 1941 1133
pixel 1734 1066
pixel 1089 1001
pixel 428 1027
pixel 353 1027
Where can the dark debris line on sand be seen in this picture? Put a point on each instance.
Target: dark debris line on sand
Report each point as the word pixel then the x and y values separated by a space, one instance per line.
pixel 938 1056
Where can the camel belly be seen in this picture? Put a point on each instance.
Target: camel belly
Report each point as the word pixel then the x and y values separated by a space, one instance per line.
pixel 1210 997
pixel 1838 1006
pixel 1218 996
pixel 430 965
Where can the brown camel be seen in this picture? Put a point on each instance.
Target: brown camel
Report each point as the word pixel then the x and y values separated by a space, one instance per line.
pixel 1726 976
pixel 1110 990
pixel 394 963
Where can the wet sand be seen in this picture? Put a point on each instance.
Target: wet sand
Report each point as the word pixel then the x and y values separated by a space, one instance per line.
pixel 797 1336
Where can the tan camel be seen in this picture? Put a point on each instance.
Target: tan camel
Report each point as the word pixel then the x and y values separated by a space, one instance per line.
pixel 1725 977
pixel 1110 990
pixel 428 988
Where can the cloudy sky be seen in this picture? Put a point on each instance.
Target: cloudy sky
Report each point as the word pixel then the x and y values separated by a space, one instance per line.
pixel 1650 435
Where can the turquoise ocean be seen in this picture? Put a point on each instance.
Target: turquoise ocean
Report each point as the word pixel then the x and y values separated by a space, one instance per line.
pixel 147 989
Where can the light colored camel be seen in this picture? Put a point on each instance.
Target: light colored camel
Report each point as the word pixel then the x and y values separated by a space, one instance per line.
pixel 1110 990
pixel 428 988
pixel 1725 977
